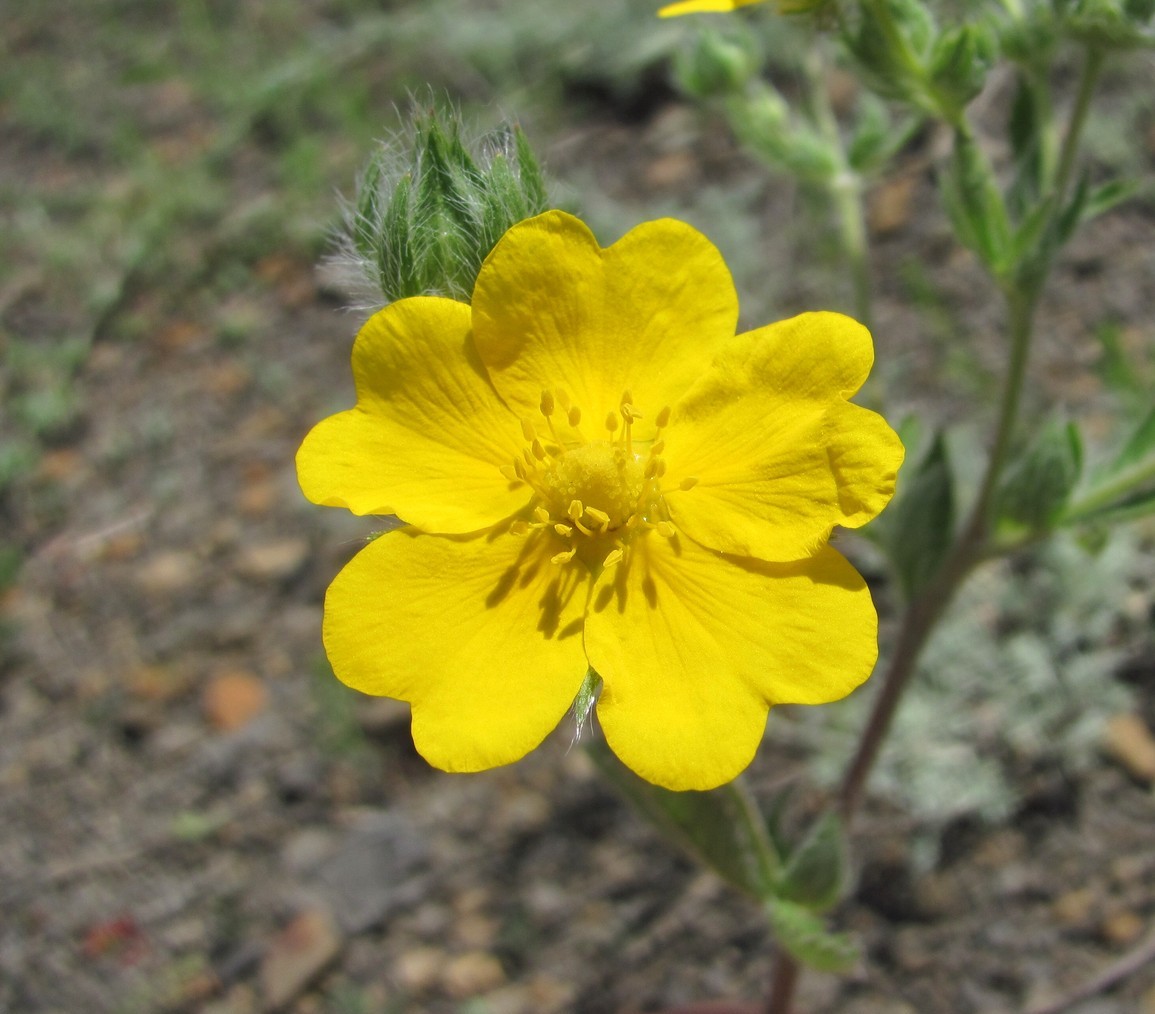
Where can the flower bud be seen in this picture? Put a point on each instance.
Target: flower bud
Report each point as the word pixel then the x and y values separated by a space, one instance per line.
pixel 430 207
pixel 717 65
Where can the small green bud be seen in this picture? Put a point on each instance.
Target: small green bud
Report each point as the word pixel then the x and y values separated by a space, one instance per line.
pixel 430 207
pixel 1112 24
pixel 961 60
pixel 717 65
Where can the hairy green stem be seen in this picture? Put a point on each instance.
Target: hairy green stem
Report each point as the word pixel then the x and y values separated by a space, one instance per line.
pixel 845 188
pixel 1088 79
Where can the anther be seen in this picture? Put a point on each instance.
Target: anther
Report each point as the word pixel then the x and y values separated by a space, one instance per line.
pixel 666 530
pixel 564 557
pixel 663 418
pixel 661 467
pixel 688 483
pixel 538 450
pixel 527 430
pixel 612 557
pixel 657 448
pixel 510 472
pixel 576 510
pixel 651 468
pixel 611 421
pixel 601 517
pixel 542 515
pixel 563 530
pixel 519 527
pixel 547 403
pixel 519 469
pixel 574 415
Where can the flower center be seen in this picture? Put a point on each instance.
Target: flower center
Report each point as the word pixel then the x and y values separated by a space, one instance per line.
pixel 593 495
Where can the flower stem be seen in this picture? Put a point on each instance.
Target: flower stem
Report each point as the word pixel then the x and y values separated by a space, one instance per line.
pixel 845 187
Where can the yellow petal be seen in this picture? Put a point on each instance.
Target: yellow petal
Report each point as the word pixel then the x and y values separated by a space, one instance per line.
pixel 703 7
pixel 553 310
pixel 779 456
pixel 693 648
pixel 429 435
pixel 481 635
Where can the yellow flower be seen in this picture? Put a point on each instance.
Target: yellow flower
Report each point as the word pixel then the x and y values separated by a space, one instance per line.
pixel 595 471
pixel 704 7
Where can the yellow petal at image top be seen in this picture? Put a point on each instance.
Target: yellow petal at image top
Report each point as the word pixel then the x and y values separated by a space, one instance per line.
pixel 594 470
pixel 704 7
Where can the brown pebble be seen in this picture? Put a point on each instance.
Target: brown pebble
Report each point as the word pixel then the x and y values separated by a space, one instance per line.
pixel 471 974
pixel 419 970
pixel 300 952
pixel 233 698
pixel 1129 742
pixel 272 561
pixel 1073 908
pixel 1121 927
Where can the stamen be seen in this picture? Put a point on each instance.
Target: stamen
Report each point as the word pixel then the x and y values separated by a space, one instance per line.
pixel 574 416
pixel 657 448
pixel 542 515
pixel 510 472
pixel 565 557
pixel 666 530
pixel 661 467
pixel 611 421
pixel 547 404
pixel 565 531
pixel 527 430
pixel 562 398
pixel 601 517
pixel 519 527
pixel 538 450
pixel 663 419
pixel 576 510
pixel 688 483
pixel 519 469
pixel 612 557
pixel 651 468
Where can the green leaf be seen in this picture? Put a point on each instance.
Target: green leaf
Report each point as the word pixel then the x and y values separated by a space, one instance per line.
pixel 918 528
pixel 815 872
pixel 975 206
pixel 1038 485
pixel 722 828
pixel 804 936
pixel 1103 198
pixel 1139 447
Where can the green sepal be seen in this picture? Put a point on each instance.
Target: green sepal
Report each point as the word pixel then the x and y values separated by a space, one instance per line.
pixel 804 936
pixel 917 530
pixel 815 872
pixel 1038 485
pixel 960 62
pixel 721 828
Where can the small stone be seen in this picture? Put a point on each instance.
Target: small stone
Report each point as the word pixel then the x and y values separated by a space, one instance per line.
pixel 1121 927
pixel 167 572
pixel 418 970
pixel 1128 741
pixel 1074 908
pixel 232 699
pixel 372 871
pixel 475 931
pixel 156 684
pixel 472 974
pixel 273 561
pixel 890 205
pixel 297 955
